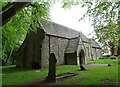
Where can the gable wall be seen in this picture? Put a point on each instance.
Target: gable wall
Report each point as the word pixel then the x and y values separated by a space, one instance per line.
pixel 30 50
pixel 80 46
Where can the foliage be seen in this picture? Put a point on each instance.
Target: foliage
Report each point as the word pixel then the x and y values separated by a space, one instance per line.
pixel 104 60
pixel 104 16
pixel 113 57
pixel 14 32
pixel 70 3
pixel 26 20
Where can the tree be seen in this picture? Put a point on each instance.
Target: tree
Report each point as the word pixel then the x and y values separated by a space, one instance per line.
pixel 14 32
pixel 11 9
pixel 22 21
pixel 104 16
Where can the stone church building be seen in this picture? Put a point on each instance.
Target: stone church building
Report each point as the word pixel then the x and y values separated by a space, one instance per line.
pixel 69 46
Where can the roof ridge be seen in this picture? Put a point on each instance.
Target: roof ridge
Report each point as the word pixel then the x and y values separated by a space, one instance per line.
pixel 55 29
pixel 65 26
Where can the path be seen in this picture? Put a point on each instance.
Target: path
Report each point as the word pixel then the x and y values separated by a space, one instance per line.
pixel 92 65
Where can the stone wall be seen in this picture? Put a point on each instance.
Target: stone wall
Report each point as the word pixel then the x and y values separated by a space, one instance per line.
pixel 35 50
pixel 80 47
pixel 71 58
pixel 94 54
pixel 88 51
pixel 19 56
pixel 99 53
pixel 29 54
pixel 45 52
pixel 56 45
pixel 25 53
pixel 61 50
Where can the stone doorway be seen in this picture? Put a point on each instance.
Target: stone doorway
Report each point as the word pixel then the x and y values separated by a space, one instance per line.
pixel 82 57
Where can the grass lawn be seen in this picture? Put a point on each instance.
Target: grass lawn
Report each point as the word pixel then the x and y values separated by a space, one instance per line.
pixel 92 75
pixel 16 76
pixel 104 61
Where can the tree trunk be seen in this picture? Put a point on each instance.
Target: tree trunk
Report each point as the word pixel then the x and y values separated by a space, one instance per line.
pixel 112 51
pixel 8 58
pixel 10 10
pixel 118 50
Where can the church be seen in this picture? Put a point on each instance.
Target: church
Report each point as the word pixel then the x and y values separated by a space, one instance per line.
pixel 70 47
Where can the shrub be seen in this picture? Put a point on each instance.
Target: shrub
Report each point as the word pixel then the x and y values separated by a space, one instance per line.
pixel 102 57
pixel 113 57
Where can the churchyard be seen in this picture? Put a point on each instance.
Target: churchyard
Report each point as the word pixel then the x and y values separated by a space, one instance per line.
pixel 37 51
pixel 94 75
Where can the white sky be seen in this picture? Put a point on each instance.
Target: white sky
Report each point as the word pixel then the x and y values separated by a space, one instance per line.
pixel 70 18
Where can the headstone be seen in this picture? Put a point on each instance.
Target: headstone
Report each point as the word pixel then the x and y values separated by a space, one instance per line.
pixel 52 68
pixel 109 64
pixel 82 68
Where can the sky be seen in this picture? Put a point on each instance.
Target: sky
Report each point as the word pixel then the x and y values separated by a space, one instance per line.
pixel 70 18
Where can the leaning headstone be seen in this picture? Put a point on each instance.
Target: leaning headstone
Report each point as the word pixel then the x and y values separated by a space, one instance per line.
pixel 81 67
pixel 52 68
pixel 109 64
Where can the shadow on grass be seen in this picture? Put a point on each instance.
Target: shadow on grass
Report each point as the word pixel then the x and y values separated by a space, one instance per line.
pixel 14 69
pixel 81 70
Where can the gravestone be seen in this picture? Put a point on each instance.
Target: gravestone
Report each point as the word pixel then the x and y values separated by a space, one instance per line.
pixel 52 68
pixel 81 67
pixel 109 64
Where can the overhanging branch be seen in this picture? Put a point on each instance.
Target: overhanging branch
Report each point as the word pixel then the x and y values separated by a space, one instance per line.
pixel 10 10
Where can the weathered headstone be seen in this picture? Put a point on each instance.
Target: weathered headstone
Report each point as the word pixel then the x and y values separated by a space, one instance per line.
pixel 52 68
pixel 81 67
pixel 109 64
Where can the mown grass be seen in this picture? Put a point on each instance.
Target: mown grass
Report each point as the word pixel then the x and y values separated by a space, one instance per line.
pixel 104 61
pixel 17 76
pixel 92 75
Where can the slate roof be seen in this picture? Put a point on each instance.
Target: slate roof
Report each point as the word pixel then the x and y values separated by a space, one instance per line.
pixel 95 44
pixel 83 37
pixel 55 29
pixel 72 45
